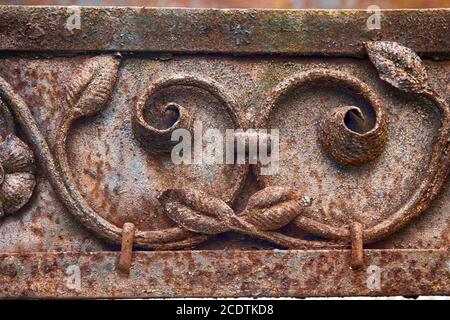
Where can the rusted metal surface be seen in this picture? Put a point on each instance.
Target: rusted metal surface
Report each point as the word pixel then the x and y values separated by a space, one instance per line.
pixel 363 160
pixel 246 31
pixel 225 274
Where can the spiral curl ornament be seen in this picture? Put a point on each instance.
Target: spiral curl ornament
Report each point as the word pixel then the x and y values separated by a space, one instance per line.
pixel 158 141
pixel 344 144
pixel 350 147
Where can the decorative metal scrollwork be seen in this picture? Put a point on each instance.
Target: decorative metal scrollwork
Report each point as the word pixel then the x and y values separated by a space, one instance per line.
pixel 196 213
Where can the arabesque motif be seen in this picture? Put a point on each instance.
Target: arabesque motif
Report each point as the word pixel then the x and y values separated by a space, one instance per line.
pixel 198 214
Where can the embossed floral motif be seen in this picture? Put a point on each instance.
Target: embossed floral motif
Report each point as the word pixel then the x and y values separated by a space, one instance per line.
pixel 17 179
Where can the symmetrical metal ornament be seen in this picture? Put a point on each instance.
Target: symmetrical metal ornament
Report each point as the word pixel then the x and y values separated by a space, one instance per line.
pixel 190 206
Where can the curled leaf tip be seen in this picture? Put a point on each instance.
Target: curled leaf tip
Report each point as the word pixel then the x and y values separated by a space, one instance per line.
pixel 398 65
pixel 274 207
pixel 92 84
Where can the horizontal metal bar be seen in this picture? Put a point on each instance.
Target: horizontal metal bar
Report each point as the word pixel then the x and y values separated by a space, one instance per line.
pixel 225 274
pixel 250 31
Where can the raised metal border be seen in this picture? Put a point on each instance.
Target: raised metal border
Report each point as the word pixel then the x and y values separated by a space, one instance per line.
pixel 238 31
pixel 266 273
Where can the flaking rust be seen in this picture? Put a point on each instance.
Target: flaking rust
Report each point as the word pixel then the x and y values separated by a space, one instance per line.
pixel 359 203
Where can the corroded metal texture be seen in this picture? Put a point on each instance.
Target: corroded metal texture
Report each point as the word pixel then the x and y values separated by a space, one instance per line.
pixel 225 274
pixel 246 31
pixel 363 157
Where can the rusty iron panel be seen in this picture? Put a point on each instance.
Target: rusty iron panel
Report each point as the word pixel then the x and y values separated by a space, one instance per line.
pixel 93 205
pixel 224 274
pixel 239 31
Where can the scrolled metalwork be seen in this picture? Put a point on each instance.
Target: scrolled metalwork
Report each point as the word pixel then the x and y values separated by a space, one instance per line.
pixel 197 213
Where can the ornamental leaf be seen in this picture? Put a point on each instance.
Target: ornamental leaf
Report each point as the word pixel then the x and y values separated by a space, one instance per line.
pixel 398 65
